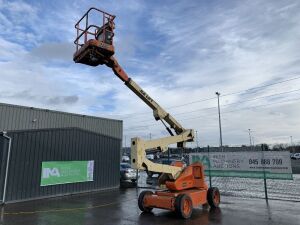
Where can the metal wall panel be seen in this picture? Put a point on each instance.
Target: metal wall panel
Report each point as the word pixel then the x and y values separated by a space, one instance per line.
pixel 14 117
pixel 30 148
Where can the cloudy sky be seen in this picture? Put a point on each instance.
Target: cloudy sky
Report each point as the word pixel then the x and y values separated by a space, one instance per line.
pixel 180 52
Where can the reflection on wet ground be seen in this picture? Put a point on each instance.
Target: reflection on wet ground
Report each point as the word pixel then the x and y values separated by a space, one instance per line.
pixel 120 207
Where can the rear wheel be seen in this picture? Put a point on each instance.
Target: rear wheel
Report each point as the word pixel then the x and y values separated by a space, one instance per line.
pixel 184 206
pixel 141 200
pixel 213 197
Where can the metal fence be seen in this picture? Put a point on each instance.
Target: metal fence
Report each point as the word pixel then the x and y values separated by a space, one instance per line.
pixel 243 187
pixel 255 188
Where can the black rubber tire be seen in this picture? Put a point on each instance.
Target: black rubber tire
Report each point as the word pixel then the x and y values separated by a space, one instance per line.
pixel 211 197
pixel 141 201
pixel 179 206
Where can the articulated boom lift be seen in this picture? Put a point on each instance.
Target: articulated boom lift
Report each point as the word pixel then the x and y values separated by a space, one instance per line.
pixel 186 186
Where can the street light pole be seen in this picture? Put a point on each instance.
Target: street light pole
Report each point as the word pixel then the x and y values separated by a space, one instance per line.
pixel 220 126
pixel 249 130
pixel 293 149
pixel 197 140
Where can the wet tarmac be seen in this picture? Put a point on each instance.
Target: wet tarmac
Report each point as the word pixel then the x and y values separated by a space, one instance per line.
pixel 120 207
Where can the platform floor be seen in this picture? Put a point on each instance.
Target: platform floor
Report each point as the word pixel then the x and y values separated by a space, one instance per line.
pixel 120 207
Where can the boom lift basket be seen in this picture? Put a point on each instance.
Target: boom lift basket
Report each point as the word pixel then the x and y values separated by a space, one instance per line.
pixel 94 44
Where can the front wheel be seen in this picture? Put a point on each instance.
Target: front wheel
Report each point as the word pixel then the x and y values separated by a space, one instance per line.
pixel 184 206
pixel 213 197
pixel 141 201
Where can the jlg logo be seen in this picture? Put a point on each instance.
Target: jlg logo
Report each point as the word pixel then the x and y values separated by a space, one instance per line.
pixel 47 172
pixel 146 96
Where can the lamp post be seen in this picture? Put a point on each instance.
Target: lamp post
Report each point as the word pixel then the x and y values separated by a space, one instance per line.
pixel 220 126
pixel 197 140
pixel 249 131
pixel 293 149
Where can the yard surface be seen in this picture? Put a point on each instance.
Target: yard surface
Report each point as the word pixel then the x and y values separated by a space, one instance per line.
pixel 120 207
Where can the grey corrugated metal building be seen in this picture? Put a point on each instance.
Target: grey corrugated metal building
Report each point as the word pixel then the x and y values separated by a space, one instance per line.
pixel 13 117
pixel 40 137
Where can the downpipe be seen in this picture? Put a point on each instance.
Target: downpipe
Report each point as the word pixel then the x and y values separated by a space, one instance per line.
pixel 4 134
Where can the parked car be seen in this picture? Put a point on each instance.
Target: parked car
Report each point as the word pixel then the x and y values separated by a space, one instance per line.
pixel 165 162
pixel 296 156
pixel 127 173
pixel 150 157
pixel 125 158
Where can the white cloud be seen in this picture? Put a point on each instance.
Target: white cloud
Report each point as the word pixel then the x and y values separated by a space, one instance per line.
pixel 230 49
pixel 178 52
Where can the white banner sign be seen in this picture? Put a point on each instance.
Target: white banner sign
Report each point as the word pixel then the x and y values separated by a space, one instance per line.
pixel 268 164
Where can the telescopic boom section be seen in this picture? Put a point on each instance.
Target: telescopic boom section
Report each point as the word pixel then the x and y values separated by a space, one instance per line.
pixel 158 112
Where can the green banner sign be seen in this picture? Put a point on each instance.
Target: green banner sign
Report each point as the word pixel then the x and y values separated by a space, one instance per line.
pixel 63 172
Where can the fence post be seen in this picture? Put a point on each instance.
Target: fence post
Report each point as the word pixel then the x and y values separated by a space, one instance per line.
pixel 265 178
pixel 209 167
pixel 137 179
